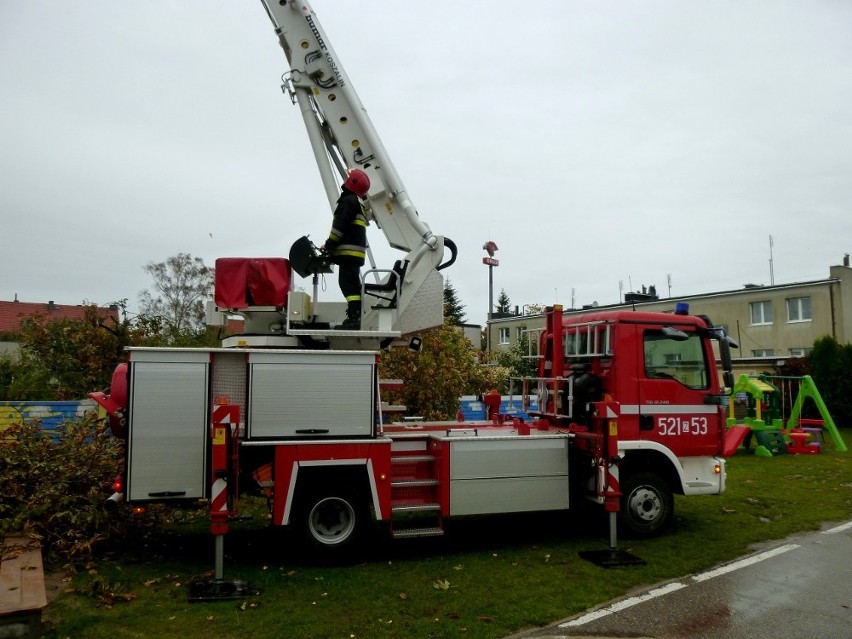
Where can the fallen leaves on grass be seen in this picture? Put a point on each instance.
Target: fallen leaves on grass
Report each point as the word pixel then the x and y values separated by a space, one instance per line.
pixel 105 594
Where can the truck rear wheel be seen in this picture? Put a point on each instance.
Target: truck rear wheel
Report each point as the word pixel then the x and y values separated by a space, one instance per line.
pixel 647 504
pixel 331 521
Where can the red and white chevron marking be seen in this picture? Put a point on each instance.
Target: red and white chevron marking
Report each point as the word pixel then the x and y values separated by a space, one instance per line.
pixel 219 498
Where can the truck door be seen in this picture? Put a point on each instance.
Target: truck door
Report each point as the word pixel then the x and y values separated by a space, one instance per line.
pixel 678 373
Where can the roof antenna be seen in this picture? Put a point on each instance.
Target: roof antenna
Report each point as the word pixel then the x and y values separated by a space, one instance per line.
pixel 771 269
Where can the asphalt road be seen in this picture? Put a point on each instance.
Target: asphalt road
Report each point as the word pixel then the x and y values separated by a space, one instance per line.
pixel 800 588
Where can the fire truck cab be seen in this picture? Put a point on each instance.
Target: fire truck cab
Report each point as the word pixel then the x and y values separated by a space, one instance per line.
pixel 660 369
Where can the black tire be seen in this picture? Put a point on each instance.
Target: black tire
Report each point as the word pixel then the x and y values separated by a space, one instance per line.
pixel 647 505
pixel 331 521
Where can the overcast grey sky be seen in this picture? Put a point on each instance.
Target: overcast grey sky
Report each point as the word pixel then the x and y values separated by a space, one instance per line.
pixel 594 142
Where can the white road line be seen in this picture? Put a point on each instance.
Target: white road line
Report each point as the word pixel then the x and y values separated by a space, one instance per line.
pixel 837 529
pixel 623 604
pixel 742 563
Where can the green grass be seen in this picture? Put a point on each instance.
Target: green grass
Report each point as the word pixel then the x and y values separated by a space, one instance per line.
pixel 488 577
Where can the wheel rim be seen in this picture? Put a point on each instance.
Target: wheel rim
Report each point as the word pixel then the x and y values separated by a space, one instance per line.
pixel 645 504
pixel 331 521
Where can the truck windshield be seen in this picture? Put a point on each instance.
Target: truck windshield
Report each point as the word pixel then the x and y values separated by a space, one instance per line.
pixel 681 359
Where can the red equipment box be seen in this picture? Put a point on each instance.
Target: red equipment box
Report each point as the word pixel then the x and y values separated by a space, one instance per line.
pixel 241 282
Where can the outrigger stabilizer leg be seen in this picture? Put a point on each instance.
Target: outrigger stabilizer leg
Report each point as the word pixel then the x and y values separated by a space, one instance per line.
pixel 609 489
pixel 225 417
pixel 613 556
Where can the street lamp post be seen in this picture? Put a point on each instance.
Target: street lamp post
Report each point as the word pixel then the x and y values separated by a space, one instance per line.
pixel 491 248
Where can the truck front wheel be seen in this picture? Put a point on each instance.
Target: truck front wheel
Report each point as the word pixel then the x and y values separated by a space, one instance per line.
pixel 647 504
pixel 331 521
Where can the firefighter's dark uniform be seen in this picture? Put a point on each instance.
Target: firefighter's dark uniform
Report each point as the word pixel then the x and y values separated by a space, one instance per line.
pixel 347 245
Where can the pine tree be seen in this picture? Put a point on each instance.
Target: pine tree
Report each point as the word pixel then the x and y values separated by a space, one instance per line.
pixel 453 308
pixel 501 309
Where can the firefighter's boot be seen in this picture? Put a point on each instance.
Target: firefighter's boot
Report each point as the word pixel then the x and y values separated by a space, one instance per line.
pixel 353 317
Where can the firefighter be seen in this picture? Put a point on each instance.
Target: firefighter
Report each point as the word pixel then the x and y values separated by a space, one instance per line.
pixel 347 244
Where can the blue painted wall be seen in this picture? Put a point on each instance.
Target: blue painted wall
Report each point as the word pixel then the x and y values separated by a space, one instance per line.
pixel 51 414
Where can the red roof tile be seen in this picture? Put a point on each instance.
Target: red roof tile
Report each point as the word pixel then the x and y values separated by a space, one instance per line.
pixel 12 314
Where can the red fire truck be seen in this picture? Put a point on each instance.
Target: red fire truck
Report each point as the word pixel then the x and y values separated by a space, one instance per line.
pixel 630 408
pixel 630 412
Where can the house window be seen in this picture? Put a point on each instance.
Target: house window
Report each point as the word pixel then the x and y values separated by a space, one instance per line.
pixel 504 336
pixel 799 352
pixel 763 352
pixel 799 309
pixel 761 312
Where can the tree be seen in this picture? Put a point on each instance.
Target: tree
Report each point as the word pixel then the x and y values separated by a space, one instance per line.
pixel 829 363
pixel 501 309
pixel 64 359
pixel 8 370
pixel 67 358
pixel 182 283
pixel 453 308
pixel 445 368
pixel 534 309
pixel 517 360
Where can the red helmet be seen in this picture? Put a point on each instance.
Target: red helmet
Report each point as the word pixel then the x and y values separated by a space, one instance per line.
pixel 358 182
